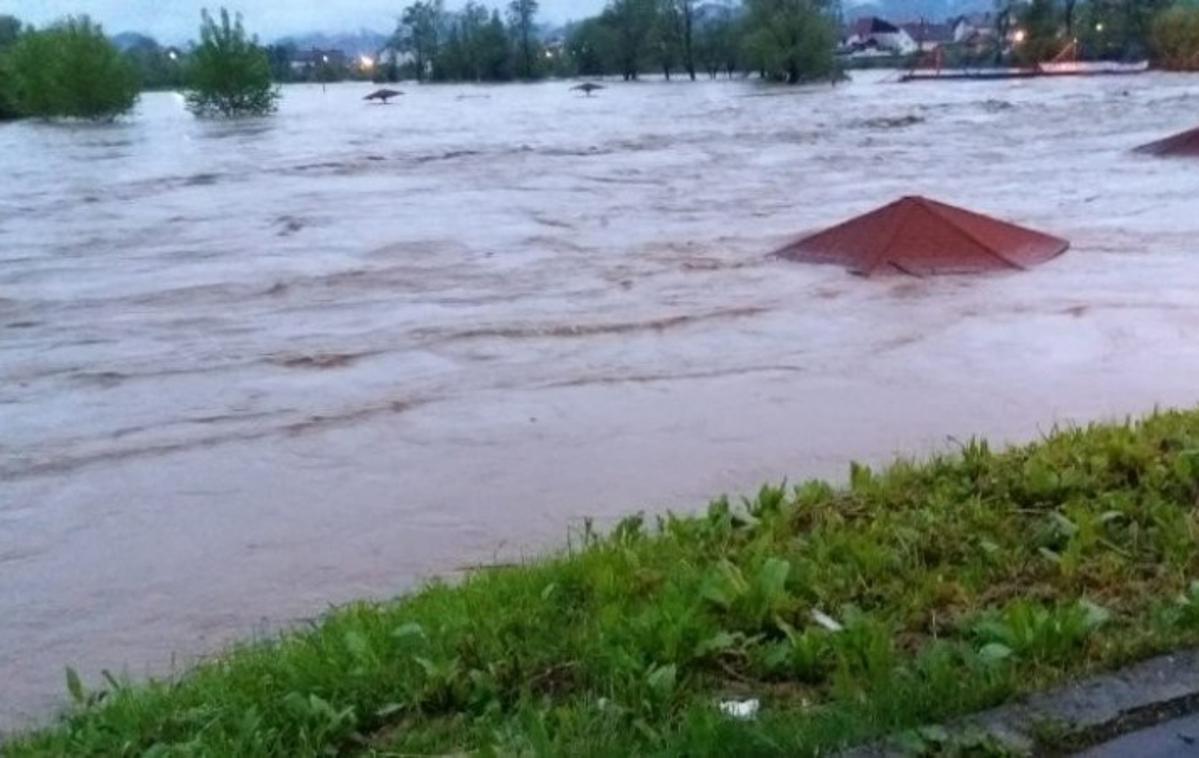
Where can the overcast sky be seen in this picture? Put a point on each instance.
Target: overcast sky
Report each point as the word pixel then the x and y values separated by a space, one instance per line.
pixel 177 20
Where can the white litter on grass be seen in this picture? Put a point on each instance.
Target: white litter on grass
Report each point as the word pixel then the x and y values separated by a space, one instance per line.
pixel 827 621
pixel 741 709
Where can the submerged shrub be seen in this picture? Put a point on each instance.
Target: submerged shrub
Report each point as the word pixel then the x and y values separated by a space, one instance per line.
pixel 1175 38
pixel 7 109
pixel 10 32
pixel 790 40
pixel 229 74
pixel 68 70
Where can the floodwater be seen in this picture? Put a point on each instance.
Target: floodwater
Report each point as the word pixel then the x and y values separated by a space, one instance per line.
pixel 250 370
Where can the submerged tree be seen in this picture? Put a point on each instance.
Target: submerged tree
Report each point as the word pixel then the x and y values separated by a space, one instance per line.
pixel 1040 27
pixel 667 40
pixel 475 48
pixel 1175 38
pixel 592 47
pixel 716 42
pixel 791 40
pixel 686 15
pixel 493 50
pixel 631 22
pixel 10 30
pixel 1120 29
pixel 229 75
pixel 520 15
pixel 68 70
pixel 420 34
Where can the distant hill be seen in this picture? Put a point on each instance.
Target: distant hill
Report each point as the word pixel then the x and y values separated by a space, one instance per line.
pixel 363 42
pixel 912 10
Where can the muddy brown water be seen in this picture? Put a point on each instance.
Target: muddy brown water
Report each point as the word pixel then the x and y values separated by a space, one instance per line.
pixel 251 370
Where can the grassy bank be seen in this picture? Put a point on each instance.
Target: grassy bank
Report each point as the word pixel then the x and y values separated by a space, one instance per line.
pixel 914 594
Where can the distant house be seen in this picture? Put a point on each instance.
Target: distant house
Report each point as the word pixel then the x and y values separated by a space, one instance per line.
pixel 304 61
pixel 873 36
pixel 390 56
pixel 554 46
pixel 972 27
pixel 929 36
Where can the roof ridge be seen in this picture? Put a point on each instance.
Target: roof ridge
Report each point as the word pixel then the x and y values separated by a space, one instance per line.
pixel 935 208
pixel 1169 145
pixel 903 207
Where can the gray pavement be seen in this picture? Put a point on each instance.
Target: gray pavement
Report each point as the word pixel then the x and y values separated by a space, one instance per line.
pixel 1173 739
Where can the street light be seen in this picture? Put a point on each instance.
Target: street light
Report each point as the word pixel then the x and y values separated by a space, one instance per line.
pixel 1099 27
pixel 1019 36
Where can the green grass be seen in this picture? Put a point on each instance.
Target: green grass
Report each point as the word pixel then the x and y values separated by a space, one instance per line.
pixel 956 583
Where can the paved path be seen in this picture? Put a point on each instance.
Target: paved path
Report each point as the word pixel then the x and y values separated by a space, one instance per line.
pixel 1173 739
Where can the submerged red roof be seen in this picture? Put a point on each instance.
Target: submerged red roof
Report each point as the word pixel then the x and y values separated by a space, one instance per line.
pixel 1184 143
pixel 918 236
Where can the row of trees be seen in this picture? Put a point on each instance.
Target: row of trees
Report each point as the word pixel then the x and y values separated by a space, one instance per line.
pixel 474 44
pixel 786 40
pixel 10 31
pixel 70 69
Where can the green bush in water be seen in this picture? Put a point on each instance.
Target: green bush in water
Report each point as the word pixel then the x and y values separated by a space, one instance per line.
pixel 1176 38
pixel 229 74
pixel 68 70
pixel 7 109
pixel 10 32
pixel 791 40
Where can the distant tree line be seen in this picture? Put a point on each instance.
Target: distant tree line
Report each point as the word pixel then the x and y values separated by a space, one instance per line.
pixel 784 40
pixel 70 69
pixel 781 40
